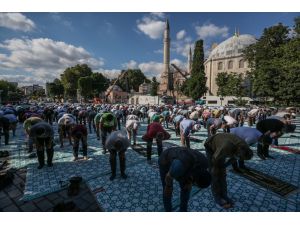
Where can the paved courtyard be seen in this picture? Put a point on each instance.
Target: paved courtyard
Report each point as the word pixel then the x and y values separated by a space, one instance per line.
pixel 142 190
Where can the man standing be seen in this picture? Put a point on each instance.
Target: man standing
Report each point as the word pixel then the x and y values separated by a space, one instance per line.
pixel 79 133
pixel 132 124
pixel 28 123
pixel 271 127
pixel 65 124
pixel 186 166
pixel 219 147
pixel 4 125
pixel 117 143
pixel 187 127
pixel 155 130
pixel 251 136
pixel 108 124
pixel 42 135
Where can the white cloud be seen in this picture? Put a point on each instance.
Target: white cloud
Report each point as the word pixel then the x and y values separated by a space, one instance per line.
pixel 158 14
pixel 182 46
pixel 151 68
pixel 130 65
pixel 44 58
pixel 16 21
pixel 59 19
pixel 110 74
pixel 211 30
pixel 180 35
pixel 23 80
pixel 152 25
pixel 179 63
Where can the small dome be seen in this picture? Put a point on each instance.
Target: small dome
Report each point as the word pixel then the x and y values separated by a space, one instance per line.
pixel 232 46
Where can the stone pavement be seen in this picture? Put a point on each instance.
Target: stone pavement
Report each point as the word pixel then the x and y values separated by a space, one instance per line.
pixel 142 190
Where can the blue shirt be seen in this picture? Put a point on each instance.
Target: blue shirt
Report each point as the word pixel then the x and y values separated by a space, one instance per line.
pixel 248 134
pixel 186 126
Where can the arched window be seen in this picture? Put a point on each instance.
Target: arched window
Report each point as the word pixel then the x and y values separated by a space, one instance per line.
pixel 220 66
pixel 241 63
pixel 230 64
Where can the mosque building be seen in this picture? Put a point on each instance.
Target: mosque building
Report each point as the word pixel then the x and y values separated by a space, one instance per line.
pixel 227 57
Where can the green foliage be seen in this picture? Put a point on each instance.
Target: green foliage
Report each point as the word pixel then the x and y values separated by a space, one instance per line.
pixel 154 86
pixel 70 78
pixel 9 91
pixel 195 86
pixel 55 89
pixel 231 84
pixel 275 64
pixel 132 80
pixel 85 85
pixel 100 83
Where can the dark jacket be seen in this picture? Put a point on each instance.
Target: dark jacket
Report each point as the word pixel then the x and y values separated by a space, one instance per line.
pixel 190 159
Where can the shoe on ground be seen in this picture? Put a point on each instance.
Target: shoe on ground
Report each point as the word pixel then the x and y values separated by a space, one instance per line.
pixel 75 159
pixel 269 156
pixel 112 177
pixel 124 176
pixel 244 168
pixel 50 164
pixel 238 170
pixel 261 156
pixel 40 167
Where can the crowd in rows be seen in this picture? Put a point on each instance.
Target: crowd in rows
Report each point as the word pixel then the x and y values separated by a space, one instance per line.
pixel 228 140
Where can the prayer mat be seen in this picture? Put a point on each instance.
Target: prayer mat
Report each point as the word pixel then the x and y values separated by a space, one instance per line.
pixel 288 149
pixel 140 192
pixel 280 187
pixel 43 181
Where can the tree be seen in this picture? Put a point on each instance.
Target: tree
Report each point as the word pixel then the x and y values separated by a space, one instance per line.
pixel 85 85
pixel 55 89
pixel 70 78
pixel 100 83
pixel 154 87
pixel 222 82
pixel 264 60
pixel 132 80
pixel 195 86
pixel 8 90
pixel 231 84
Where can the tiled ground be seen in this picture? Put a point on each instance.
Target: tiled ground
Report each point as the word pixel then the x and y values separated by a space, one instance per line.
pixel 142 190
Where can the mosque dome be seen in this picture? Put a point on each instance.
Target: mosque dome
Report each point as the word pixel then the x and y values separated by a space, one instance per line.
pixel 232 47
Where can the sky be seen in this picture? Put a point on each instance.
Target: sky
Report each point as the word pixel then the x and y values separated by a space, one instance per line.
pixel 37 47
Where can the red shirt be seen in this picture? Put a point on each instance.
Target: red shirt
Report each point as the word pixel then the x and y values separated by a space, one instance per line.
pixel 155 128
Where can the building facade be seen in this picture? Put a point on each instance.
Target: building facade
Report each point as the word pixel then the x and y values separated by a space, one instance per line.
pixel 145 88
pixel 227 57
pixel 116 95
pixel 28 90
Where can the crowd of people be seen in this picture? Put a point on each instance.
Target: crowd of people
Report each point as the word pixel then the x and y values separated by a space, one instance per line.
pixel 117 126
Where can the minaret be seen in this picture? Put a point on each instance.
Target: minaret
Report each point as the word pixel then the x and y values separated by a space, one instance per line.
pixel 167 48
pixel 190 61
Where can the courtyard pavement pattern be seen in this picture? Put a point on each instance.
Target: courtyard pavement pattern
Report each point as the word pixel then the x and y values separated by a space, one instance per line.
pixel 142 190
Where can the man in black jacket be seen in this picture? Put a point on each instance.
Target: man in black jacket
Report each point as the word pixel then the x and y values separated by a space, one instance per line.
pixel 218 148
pixel 42 134
pixel 186 166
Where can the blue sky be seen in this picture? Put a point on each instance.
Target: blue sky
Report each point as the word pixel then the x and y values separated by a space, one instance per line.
pixel 37 47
